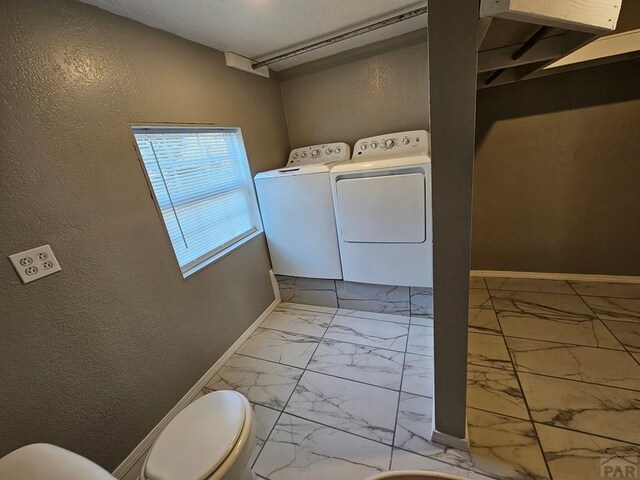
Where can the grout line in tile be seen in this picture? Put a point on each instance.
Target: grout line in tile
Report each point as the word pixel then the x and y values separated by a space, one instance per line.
pixel 609 329
pixel 516 369
pixel 546 341
pixel 497 290
pixel 559 317
pixel 568 344
pixel 570 282
pixel 423 317
pixel 499 413
pixel 621 320
pixel 395 423
pixel 585 433
pixel 346 341
pixel 524 397
pixel 295 334
pixel 487 366
pixel 270 361
pixel 362 344
pixel 375 319
pixel 486 333
pixel 297 415
pixel 301 309
pixel 627 389
pixel 420 354
pixel 355 381
pixel 271 407
pixel 489 332
pixel 290 333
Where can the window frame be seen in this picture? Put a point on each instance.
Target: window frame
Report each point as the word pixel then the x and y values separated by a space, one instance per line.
pixel 221 251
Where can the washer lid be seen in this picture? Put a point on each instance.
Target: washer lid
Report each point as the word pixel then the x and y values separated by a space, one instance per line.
pixel 199 439
pixel 295 170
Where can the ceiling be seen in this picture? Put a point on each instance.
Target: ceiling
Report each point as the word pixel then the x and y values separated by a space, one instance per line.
pixel 260 29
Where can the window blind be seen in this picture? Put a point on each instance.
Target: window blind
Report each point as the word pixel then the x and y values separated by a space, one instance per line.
pixel 203 187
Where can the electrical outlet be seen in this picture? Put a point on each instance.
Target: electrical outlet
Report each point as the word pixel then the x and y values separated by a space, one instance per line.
pixel 35 263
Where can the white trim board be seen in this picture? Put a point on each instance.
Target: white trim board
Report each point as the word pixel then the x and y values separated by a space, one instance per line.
pixel 583 277
pixel 128 463
pixel 597 16
pixel 450 440
pixel 274 285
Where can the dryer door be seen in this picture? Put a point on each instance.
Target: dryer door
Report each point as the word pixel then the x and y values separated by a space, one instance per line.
pixel 382 209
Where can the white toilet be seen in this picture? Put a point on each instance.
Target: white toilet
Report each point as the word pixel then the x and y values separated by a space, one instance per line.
pixel 211 439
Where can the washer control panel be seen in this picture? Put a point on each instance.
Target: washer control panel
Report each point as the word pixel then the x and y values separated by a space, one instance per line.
pixel 401 144
pixel 319 154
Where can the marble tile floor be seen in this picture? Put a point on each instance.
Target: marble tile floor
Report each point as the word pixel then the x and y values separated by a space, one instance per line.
pixel 553 386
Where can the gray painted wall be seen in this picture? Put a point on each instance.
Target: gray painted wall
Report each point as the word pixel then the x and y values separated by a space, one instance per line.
pixel 557 174
pixel 453 67
pixel 93 357
pixel 369 91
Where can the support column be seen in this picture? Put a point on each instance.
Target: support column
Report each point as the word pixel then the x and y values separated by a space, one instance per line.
pixel 452 33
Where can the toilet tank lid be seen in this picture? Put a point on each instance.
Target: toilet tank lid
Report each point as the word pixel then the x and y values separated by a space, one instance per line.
pixel 199 439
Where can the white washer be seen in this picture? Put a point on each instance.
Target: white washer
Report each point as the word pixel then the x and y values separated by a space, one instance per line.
pixel 297 212
pixel 382 204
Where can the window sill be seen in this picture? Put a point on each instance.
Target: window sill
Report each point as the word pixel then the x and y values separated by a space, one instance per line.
pixel 205 263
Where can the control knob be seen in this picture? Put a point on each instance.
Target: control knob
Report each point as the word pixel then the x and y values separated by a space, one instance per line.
pixel 328 151
pixel 389 143
pixel 315 153
pixel 374 144
pixel 295 155
pixel 363 146
pixel 338 150
pixel 406 140
pixel 304 155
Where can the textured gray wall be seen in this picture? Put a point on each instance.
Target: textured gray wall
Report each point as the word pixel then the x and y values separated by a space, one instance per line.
pixel 557 174
pixel 361 94
pixel 93 357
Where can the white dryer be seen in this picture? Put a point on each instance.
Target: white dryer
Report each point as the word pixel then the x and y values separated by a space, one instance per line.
pixel 382 201
pixel 296 205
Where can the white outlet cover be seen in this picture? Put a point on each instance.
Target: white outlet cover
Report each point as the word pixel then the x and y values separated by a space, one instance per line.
pixel 35 263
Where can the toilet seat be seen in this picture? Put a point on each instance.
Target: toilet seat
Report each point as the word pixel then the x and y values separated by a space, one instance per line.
pixel 204 441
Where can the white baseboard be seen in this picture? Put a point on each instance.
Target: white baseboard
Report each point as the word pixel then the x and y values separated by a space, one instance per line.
pixel 450 440
pixel 556 276
pixel 142 448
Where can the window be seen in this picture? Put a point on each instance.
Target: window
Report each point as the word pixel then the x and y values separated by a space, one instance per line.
pixel 203 188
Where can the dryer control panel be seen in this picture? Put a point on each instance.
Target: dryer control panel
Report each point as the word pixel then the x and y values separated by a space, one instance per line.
pixel 319 154
pixel 400 144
